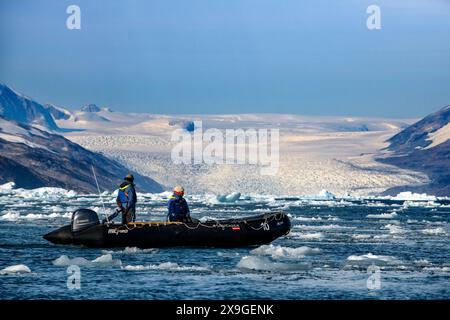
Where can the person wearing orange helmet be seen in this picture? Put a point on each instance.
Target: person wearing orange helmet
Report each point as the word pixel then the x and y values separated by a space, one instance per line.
pixel 178 207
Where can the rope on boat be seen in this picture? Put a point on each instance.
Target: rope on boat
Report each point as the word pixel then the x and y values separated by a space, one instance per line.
pixel 264 225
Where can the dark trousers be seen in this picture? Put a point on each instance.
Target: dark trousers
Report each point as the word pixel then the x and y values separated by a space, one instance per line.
pixel 129 216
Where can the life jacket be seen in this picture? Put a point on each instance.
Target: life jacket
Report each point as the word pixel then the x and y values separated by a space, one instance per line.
pixel 124 194
pixel 179 207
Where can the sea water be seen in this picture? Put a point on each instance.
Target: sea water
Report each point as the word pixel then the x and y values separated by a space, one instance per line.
pixel 336 250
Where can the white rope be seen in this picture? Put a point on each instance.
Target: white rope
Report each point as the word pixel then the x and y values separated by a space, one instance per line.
pixel 223 226
pixel 100 195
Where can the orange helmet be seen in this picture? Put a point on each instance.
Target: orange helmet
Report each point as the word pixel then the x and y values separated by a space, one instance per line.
pixel 178 190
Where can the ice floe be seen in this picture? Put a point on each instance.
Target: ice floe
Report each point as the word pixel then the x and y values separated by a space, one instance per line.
pixel 306 236
pixel 131 250
pixel 265 264
pixel 388 215
pixel 16 269
pixel 15 216
pixel 229 198
pixel 277 252
pixel 169 266
pixel 105 259
pixel 408 195
pixel 394 229
pixel 41 193
pixel 372 258
pixel 434 231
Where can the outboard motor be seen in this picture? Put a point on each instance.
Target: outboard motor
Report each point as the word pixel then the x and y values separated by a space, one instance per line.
pixel 83 219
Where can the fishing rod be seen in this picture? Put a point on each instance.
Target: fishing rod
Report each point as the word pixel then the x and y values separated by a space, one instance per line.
pixel 100 195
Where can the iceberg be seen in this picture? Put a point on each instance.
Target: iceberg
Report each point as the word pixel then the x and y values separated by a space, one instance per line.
pixel 105 259
pixel 16 269
pixel 323 195
pixel 408 195
pixel 277 252
pixel 7 187
pixel 230 198
pixel 265 264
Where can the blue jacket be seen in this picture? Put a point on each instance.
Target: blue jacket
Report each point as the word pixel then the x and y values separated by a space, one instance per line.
pixel 126 198
pixel 178 208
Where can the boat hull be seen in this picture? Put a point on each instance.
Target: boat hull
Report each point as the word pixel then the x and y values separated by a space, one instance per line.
pixel 249 231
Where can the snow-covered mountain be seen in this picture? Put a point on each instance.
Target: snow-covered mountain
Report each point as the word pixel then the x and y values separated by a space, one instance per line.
pixel 429 132
pixel 33 156
pixel 17 107
pixel 91 107
pixel 425 147
pixel 58 113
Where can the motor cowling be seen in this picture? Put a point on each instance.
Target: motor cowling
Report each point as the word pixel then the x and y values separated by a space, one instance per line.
pixel 83 219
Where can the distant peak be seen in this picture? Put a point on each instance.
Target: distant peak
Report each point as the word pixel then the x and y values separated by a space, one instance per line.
pixel 91 107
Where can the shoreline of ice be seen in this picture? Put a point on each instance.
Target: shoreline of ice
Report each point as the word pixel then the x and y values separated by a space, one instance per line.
pixel 9 189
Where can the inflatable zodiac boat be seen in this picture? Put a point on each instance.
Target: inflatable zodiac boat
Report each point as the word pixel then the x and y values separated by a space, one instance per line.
pixel 86 229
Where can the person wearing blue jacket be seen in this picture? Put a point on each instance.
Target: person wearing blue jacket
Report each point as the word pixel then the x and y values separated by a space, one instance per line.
pixel 178 207
pixel 126 199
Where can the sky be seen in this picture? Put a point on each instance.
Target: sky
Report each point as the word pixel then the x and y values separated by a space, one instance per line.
pixel 310 57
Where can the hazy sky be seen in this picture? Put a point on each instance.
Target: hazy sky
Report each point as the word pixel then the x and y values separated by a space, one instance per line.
pixel 231 56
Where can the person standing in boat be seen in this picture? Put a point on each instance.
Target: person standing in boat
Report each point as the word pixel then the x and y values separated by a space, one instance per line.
pixel 126 199
pixel 178 207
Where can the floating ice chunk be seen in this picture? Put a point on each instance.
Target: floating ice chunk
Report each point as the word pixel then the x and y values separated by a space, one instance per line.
pixel 408 195
pixel 422 262
pixel 7 187
pixel 435 231
pixel 324 194
pixel 10 216
pixel 49 193
pixel 66 261
pixel 420 204
pixel 18 268
pixel 170 266
pixel 388 215
pixel 284 252
pixel 156 196
pixel 371 258
pixel 394 229
pixel 437 269
pixel 323 227
pixel 327 218
pixel 306 236
pixel 230 198
pixel 265 264
pixel 15 216
pixel 361 236
pixel 132 250
pixel 105 259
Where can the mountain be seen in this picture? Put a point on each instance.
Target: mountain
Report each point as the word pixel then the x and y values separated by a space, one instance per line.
pixel 17 107
pixel 420 134
pixel 91 107
pixel 425 147
pixel 35 158
pixel 32 156
pixel 58 113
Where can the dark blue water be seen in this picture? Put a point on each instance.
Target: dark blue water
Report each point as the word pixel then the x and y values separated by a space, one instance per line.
pixel 326 256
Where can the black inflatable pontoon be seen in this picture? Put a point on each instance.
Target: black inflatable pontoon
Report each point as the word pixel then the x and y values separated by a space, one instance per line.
pixel 86 229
